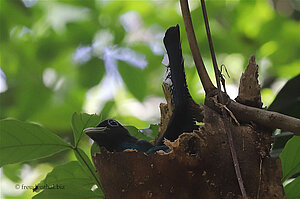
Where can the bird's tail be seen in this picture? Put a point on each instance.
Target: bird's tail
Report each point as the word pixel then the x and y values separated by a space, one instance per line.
pixel 179 90
pixel 182 119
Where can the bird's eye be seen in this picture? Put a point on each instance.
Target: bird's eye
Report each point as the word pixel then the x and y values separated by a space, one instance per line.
pixel 113 123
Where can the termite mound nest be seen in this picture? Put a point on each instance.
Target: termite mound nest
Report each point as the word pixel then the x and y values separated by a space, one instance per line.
pixel 199 164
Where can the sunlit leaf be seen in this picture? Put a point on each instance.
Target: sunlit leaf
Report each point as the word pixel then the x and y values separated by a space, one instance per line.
pixel 23 141
pixel 134 79
pixel 292 189
pixel 290 160
pixel 87 165
pixel 81 121
pixel 105 112
pixel 150 132
pixel 137 133
pixel 67 181
pixel 12 172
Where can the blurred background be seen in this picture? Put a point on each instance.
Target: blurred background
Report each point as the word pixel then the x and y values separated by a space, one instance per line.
pixel 64 56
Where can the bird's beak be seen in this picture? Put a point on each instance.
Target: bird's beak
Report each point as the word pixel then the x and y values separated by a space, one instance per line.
pixel 95 130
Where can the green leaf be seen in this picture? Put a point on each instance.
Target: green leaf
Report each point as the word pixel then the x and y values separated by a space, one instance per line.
pixel 151 132
pixel 109 105
pixel 13 172
pixel 94 149
pixel 87 165
pixel 292 189
pixel 91 72
pixel 134 78
pixel 23 141
pixel 148 134
pixel 136 133
pixel 67 181
pixel 289 157
pixel 81 121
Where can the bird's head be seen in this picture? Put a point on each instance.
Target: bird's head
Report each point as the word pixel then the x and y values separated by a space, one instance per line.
pixel 109 133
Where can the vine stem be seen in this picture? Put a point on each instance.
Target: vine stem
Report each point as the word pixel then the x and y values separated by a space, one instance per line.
pixel 226 124
pixel 211 47
pixel 204 78
pixel 236 164
pixel 242 112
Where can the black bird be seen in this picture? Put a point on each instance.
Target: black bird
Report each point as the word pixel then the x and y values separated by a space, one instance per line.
pixel 182 119
pixel 114 137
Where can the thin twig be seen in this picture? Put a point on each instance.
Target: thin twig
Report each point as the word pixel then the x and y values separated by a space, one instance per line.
pixel 260 174
pixel 226 125
pixel 234 156
pixel 205 80
pixel 211 47
pixel 83 161
pixel 227 130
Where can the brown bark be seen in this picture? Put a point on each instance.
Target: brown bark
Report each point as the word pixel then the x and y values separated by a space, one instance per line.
pixel 199 166
pixel 265 118
pixel 200 163
pixel 249 88
pixel 268 119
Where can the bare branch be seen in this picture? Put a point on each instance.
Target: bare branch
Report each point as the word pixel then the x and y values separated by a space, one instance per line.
pixel 205 80
pixel 265 118
pixel 236 164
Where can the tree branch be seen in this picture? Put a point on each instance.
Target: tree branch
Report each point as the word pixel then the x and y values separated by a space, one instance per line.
pixel 205 80
pixel 265 118
pixel 242 112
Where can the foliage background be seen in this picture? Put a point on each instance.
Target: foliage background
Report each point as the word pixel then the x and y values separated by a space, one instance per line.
pixel 65 56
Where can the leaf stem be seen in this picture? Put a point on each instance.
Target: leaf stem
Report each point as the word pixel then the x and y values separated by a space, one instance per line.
pixel 87 165
pixel 80 133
